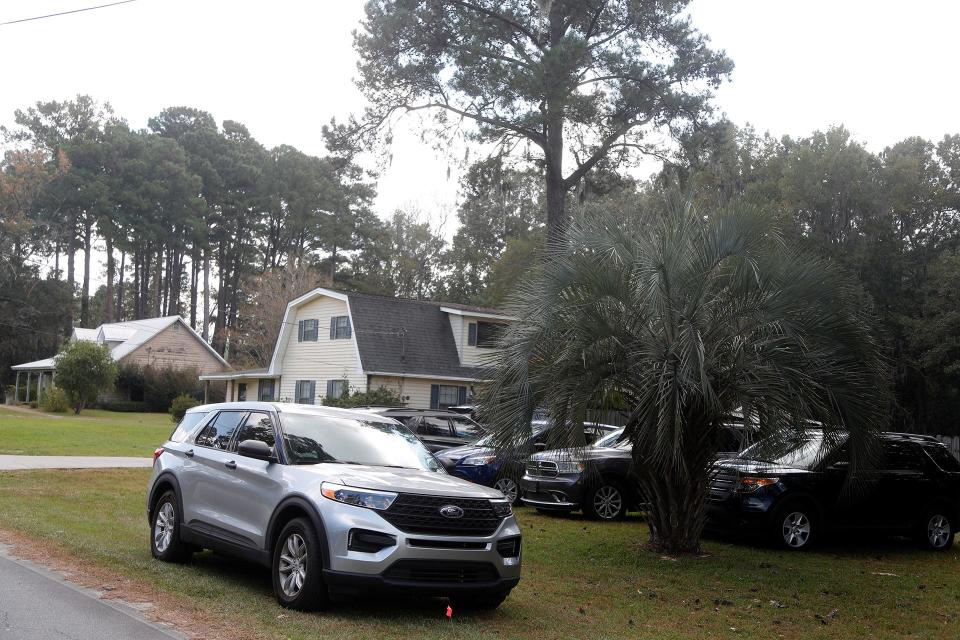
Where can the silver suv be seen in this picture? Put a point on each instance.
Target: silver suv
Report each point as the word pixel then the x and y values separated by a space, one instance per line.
pixel 335 502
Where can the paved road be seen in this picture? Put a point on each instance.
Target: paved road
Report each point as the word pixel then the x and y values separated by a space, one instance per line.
pixel 16 463
pixel 36 604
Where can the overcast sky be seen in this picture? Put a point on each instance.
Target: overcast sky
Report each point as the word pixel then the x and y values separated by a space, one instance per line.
pixel 885 69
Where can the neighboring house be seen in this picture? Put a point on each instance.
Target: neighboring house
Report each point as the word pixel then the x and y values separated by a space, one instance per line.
pixel 430 353
pixel 157 342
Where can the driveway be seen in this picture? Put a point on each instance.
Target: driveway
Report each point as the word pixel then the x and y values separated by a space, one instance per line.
pixel 36 604
pixel 17 463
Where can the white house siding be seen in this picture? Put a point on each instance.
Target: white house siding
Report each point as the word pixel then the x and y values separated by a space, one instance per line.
pixel 472 355
pixel 415 392
pixel 322 360
pixel 253 389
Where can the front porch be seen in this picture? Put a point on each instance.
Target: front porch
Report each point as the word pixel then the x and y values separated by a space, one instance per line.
pixel 33 378
pixel 249 385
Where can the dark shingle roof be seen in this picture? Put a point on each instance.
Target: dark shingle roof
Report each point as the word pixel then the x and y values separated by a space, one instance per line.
pixel 413 337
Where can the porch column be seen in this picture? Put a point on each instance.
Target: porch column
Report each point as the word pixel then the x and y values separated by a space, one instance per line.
pixel 40 386
pixel 16 389
pixel 229 396
pixel 29 374
pixel 206 392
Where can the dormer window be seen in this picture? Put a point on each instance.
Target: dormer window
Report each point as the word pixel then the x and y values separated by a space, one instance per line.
pixel 483 335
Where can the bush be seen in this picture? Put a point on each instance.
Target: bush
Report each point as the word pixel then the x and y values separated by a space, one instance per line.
pixel 54 400
pixel 84 371
pixel 379 397
pixel 180 405
pixel 9 393
pixel 124 406
pixel 157 387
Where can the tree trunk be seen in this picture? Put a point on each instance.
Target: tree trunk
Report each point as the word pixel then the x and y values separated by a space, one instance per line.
pixel 85 293
pixel 677 511
pixel 136 283
pixel 156 309
pixel 206 295
pixel 553 149
pixel 111 272
pixel 119 309
pixel 194 275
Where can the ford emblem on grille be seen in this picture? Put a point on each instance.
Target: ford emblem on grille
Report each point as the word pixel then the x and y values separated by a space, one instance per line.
pixel 451 511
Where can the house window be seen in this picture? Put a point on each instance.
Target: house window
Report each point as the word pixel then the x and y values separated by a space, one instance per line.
pixel 305 391
pixel 340 328
pixel 242 392
pixel 483 335
pixel 336 388
pixel 265 391
pixel 308 330
pixel 444 396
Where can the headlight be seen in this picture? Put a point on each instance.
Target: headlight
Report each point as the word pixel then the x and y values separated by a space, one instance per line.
pixel 501 507
pixel 358 497
pixel 749 484
pixel 478 461
pixel 570 466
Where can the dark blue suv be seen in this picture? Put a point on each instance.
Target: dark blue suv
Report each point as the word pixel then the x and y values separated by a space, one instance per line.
pixel 479 462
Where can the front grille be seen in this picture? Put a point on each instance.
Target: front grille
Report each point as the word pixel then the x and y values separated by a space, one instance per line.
pixel 542 468
pixel 722 484
pixel 446 544
pixel 421 514
pixel 441 572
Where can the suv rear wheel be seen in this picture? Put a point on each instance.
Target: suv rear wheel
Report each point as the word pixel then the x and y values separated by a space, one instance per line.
pixel 606 501
pixel 165 543
pixel 936 530
pixel 795 526
pixel 297 567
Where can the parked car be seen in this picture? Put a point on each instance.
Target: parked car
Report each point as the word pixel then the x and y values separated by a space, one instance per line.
pixel 335 502
pixel 599 480
pixel 438 430
pixel 793 490
pixel 480 463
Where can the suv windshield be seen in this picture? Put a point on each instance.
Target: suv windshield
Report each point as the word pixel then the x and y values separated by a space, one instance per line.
pixel 536 429
pixel 312 439
pixel 801 451
pixel 611 439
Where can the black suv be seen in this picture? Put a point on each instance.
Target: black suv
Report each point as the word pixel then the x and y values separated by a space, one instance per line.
pixel 792 490
pixel 438 430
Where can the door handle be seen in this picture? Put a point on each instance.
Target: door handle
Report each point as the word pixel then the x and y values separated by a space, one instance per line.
pixel 189 453
pixel 230 465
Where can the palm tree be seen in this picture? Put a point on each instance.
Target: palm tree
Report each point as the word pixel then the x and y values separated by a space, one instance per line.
pixel 684 318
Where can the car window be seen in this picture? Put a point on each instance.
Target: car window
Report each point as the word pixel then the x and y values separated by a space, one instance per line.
pixel 943 458
pixel 257 426
pixel 186 425
pixel 217 434
pixel 433 426
pixel 466 429
pixel 899 455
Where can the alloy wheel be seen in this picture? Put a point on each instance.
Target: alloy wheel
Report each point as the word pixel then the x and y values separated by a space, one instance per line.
pixel 163 527
pixel 607 502
pixel 796 529
pixel 938 531
pixel 293 565
pixel 508 487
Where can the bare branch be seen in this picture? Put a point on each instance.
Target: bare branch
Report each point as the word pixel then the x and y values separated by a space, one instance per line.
pixel 601 150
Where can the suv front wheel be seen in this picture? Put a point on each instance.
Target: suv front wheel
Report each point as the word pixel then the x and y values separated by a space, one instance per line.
pixel 606 501
pixel 795 526
pixel 936 530
pixel 297 567
pixel 165 543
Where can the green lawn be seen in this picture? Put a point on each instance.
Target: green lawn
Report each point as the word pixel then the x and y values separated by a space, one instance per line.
pixel 92 433
pixel 581 579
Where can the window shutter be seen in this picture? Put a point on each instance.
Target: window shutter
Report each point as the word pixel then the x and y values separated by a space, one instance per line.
pixel 300 331
pixel 313 391
pixel 472 334
pixel 333 327
pixel 329 388
pixel 462 395
pixel 434 396
pixel 296 391
pixel 349 328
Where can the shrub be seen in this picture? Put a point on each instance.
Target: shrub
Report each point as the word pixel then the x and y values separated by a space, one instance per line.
pixel 84 371
pixel 55 400
pixel 180 405
pixel 124 406
pixel 379 397
pixel 157 387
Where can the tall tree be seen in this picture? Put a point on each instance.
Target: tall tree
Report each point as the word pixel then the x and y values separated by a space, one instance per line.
pixel 581 79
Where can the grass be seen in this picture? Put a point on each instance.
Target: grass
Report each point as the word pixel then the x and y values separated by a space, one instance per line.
pixel 92 433
pixel 580 580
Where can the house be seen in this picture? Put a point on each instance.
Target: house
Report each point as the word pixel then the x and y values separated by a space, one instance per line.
pixel 430 353
pixel 157 342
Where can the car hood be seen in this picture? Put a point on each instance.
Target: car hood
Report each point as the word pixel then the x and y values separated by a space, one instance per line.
pixel 457 454
pixel 581 455
pixel 756 467
pixel 401 480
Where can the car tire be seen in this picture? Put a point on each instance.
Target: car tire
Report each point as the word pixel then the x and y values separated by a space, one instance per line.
pixel 165 521
pixel 479 602
pixel 606 501
pixel 795 526
pixel 508 487
pixel 936 531
pixel 297 568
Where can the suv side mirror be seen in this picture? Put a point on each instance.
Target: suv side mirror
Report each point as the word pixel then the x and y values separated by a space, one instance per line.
pixel 256 449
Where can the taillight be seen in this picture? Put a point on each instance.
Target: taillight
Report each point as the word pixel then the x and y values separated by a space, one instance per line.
pixel 156 454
